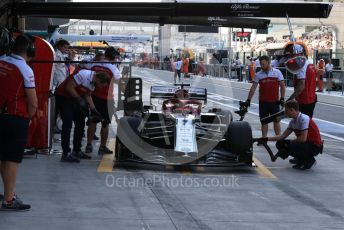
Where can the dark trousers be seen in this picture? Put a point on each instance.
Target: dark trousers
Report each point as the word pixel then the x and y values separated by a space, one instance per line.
pixel 239 75
pixel 303 151
pixel 307 109
pixel 70 112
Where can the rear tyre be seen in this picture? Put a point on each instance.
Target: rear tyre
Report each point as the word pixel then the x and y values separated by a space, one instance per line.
pixel 239 140
pixel 127 137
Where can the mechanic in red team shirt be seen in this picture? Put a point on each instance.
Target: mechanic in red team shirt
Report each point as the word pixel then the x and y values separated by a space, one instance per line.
pixel 308 141
pixel 271 82
pixel 104 101
pixel 73 97
pixel 18 104
pixel 305 76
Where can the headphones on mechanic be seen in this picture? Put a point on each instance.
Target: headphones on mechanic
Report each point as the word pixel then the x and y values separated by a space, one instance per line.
pixel 31 49
pixel 26 42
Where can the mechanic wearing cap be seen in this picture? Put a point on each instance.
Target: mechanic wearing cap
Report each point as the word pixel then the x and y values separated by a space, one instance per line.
pixel 103 99
pixel 18 104
pixel 270 82
pixel 73 97
pixel 308 141
pixel 305 76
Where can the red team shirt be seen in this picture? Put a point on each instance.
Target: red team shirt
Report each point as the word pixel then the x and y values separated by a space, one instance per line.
pixel 105 93
pixel 269 84
pixel 83 80
pixel 303 122
pixel 15 77
pixel 308 73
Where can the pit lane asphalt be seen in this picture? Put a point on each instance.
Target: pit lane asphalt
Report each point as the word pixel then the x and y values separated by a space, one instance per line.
pixel 76 196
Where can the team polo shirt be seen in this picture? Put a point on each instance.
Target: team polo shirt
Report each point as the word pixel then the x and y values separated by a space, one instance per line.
pixel 83 80
pixel 308 74
pixel 15 77
pixel 106 93
pixel 268 84
pixel 304 122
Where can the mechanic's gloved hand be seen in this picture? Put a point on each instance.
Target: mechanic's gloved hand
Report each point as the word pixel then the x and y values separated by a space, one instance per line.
pixel 262 140
pixel 247 103
pixel 83 105
pixel 281 101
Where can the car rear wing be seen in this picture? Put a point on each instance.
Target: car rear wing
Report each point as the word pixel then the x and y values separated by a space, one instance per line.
pixel 167 92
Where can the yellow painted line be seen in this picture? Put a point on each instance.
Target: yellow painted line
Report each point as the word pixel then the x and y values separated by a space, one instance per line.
pixel 200 168
pixel 262 170
pixel 107 162
pixel 186 171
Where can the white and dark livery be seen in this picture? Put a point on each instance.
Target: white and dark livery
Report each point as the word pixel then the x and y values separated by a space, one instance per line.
pixel 175 129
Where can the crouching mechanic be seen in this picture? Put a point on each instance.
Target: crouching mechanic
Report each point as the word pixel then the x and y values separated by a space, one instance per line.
pixel 308 141
pixel 73 97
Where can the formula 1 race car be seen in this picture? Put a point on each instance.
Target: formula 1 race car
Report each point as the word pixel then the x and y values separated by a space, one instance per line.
pixel 176 129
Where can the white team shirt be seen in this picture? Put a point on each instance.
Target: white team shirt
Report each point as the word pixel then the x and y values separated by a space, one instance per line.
pixel 25 70
pixel 329 67
pixel 301 75
pixel 114 70
pixel 179 65
pixel 84 78
pixel 273 73
pixel 60 70
pixel 300 123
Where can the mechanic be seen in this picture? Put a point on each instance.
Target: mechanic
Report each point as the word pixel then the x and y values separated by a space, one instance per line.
pixel 270 82
pixel 320 74
pixel 73 97
pixel 60 69
pixel 305 80
pixel 178 67
pixel 61 72
pixel 329 75
pixel 104 101
pixel 18 104
pixel 308 141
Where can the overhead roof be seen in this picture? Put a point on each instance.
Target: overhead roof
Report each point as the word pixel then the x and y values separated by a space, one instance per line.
pixel 173 9
pixel 185 13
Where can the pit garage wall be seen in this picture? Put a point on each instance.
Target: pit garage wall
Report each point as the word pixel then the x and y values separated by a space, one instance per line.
pixel 335 20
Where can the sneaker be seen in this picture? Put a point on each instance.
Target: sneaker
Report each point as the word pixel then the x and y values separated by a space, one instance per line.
pixel 297 166
pixel 89 148
pixel 15 205
pixel 81 155
pixel 308 165
pixel 70 158
pixel 95 137
pixel 293 161
pixel 104 150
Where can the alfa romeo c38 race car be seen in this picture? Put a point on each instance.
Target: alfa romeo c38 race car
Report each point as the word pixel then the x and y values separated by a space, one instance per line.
pixel 177 128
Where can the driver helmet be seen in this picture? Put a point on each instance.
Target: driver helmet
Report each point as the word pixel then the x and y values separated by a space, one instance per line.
pixel 181 94
pixel 295 54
